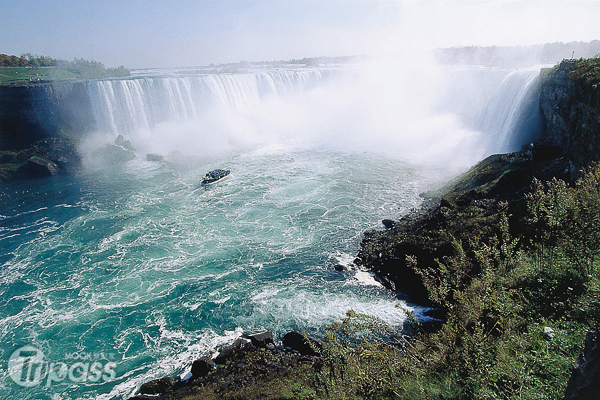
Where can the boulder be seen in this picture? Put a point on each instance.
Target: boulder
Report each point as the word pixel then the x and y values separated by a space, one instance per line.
pixel 158 386
pixel 339 267
pixel 37 167
pixel 126 144
pixel 235 351
pixel 115 154
pixel 388 223
pixel 303 343
pixel 261 340
pixel 584 383
pixel 202 367
pixel 154 157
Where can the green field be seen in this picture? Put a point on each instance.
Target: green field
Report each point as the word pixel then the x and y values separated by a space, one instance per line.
pixel 23 75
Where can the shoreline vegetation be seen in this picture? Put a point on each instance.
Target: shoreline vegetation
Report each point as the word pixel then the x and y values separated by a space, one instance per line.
pixel 31 70
pixel 506 255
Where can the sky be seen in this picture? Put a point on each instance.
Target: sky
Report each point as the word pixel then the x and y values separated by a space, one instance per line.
pixel 185 33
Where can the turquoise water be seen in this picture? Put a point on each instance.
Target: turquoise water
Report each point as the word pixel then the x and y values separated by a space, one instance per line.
pixel 126 273
pixel 140 266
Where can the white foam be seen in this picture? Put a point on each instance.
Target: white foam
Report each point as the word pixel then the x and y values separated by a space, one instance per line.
pixel 366 278
pixel 197 345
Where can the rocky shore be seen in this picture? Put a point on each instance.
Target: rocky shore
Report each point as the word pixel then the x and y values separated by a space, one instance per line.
pixel 44 158
pixel 416 254
pixel 244 368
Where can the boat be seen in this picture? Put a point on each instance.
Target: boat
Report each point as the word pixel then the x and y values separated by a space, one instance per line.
pixel 214 175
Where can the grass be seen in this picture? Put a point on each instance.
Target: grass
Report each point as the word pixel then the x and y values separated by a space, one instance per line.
pixel 21 76
pixel 13 75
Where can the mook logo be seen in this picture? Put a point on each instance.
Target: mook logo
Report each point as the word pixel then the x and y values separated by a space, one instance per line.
pixel 28 367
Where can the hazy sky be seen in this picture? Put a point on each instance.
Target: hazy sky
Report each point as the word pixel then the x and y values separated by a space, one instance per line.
pixel 157 33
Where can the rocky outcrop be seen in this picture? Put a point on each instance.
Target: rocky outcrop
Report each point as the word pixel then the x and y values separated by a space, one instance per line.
pixel 202 367
pixel 263 340
pixel 571 114
pixel 465 211
pixel 303 343
pixel 46 157
pixel 241 365
pixel 158 386
pixel 584 383
pixel 35 112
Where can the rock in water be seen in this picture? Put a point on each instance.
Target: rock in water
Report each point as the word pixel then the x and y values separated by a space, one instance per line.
pixel 238 349
pixel 126 144
pixel 37 167
pixel 261 340
pixel 302 343
pixel 202 367
pixel 158 386
pixel 388 223
pixel 114 154
pixel 154 157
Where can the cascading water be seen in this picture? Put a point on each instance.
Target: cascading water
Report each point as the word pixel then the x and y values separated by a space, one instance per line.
pixel 128 106
pixel 140 270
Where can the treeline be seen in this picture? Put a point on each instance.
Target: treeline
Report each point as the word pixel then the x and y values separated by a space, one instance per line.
pixel 27 60
pixel 518 56
pixel 91 69
pixel 82 68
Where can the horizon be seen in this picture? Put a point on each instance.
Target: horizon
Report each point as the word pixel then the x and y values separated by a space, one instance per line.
pixel 157 34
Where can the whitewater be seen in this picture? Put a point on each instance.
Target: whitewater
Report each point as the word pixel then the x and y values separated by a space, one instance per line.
pixel 136 267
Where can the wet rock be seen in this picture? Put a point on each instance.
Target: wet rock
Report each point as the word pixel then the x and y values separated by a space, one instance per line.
pixel 37 167
pixel 388 223
pixel 202 367
pixel 115 154
pixel 303 343
pixel 158 386
pixel 237 350
pixel 339 267
pixel 154 157
pixel 446 203
pixel 261 340
pixel 142 397
pixel 126 144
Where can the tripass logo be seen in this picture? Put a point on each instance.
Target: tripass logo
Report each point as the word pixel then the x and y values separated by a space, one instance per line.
pixel 28 368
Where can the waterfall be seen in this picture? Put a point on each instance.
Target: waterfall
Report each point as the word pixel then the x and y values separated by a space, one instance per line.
pixel 503 104
pixel 125 106
pixel 425 115
pixel 511 116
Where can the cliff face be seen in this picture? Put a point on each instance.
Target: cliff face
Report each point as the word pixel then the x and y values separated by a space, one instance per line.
pixel 30 113
pixel 571 114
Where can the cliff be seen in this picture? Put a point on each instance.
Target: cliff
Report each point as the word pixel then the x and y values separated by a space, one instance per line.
pixel 34 112
pixel 39 127
pixel 570 105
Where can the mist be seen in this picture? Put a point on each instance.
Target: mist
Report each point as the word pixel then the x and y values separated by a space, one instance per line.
pixel 411 109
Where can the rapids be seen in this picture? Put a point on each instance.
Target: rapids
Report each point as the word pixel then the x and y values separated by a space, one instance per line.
pixel 137 270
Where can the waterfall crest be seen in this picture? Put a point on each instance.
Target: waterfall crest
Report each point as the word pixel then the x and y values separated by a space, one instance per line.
pixel 129 105
pixel 424 115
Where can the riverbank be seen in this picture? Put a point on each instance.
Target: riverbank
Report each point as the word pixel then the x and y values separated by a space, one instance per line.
pixel 506 254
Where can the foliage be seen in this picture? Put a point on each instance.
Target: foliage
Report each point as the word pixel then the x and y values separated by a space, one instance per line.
pixel 585 71
pixel 500 294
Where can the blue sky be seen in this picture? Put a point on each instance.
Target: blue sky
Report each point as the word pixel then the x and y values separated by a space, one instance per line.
pixel 157 33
